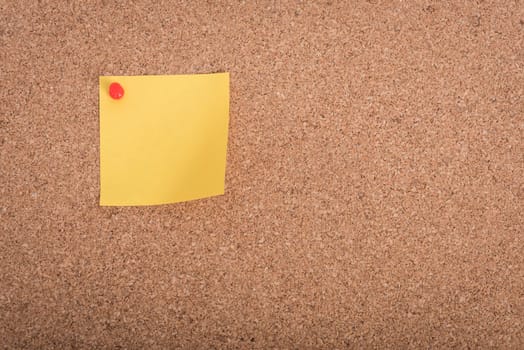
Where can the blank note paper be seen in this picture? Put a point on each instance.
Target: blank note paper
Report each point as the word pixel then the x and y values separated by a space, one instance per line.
pixel 163 139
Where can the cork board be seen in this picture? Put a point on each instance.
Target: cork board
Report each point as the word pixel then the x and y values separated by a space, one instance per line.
pixel 374 187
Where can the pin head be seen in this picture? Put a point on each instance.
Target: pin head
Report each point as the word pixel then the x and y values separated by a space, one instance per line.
pixel 116 91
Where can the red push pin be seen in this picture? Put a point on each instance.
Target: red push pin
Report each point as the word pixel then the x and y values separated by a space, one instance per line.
pixel 116 91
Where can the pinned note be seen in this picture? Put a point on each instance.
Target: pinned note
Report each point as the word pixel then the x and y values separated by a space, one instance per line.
pixel 164 140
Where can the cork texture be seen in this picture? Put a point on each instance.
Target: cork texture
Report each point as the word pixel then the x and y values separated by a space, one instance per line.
pixel 374 188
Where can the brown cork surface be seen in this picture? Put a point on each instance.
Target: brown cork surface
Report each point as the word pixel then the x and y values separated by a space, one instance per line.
pixel 374 189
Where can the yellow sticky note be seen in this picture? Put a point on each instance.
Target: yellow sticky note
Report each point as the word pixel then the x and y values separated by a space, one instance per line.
pixel 165 140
